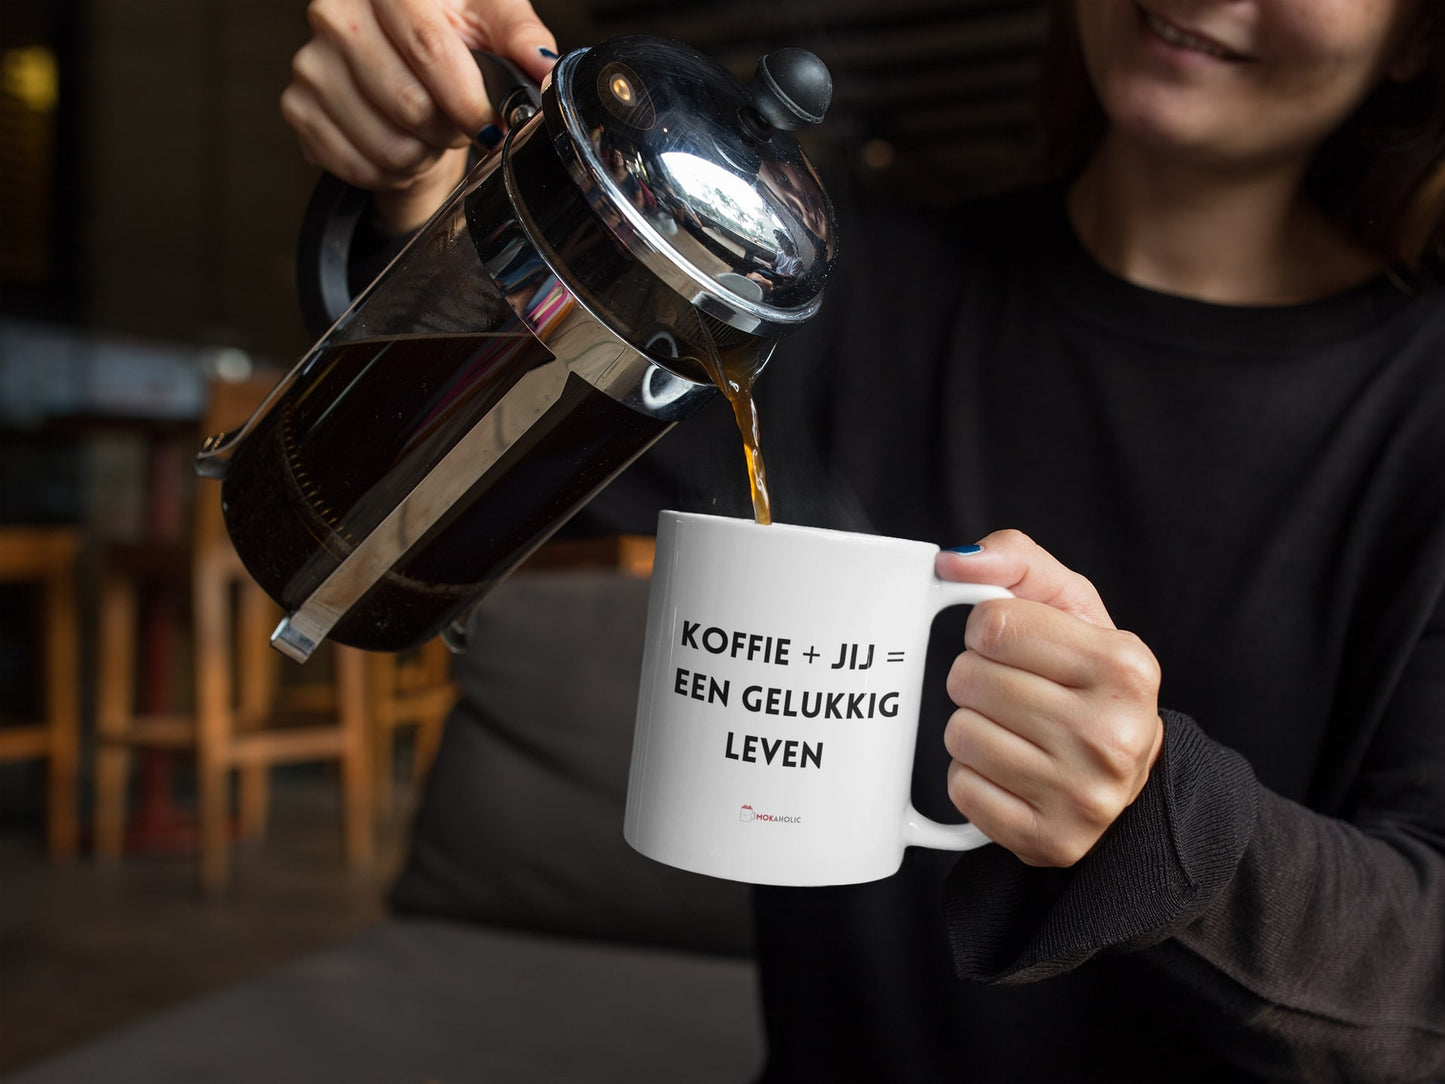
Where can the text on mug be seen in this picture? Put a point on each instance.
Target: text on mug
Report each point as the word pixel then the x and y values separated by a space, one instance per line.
pixel 795 754
pixel 750 645
pixel 791 703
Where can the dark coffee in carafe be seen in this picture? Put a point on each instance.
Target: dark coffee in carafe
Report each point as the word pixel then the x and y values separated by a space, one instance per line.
pixel 342 468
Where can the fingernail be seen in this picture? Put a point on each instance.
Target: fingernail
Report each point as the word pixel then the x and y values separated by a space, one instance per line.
pixel 547 52
pixel 489 136
pixel 964 551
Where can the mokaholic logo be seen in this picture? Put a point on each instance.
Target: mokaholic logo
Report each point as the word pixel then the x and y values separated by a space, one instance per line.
pixel 747 813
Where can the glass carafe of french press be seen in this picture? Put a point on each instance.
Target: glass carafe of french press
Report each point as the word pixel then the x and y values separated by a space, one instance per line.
pixel 645 213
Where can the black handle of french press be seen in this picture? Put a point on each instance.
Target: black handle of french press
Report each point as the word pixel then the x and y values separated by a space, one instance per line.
pixel 513 95
pixel 337 209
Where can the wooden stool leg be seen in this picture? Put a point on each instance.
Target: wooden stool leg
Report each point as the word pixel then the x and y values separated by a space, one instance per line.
pixel 356 776
pixel 256 669
pixel 428 740
pixel 381 672
pixel 213 800
pixel 254 800
pixel 115 705
pixel 62 665
pixel 213 721
pixel 436 666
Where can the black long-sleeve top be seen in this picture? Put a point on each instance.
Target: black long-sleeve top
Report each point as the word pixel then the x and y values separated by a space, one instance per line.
pixel 1259 493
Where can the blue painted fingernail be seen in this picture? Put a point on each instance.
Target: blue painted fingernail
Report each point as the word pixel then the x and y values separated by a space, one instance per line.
pixel 489 136
pixel 964 551
pixel 547 52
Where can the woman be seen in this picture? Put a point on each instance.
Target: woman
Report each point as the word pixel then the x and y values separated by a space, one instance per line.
pixel 1204 370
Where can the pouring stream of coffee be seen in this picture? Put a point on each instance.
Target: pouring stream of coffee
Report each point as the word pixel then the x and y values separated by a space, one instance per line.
pixel 737 385
pixel 734 371
pixel 745 410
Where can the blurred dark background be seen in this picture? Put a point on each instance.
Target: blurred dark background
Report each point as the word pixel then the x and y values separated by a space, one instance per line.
pixel 150 196
pixel 150 188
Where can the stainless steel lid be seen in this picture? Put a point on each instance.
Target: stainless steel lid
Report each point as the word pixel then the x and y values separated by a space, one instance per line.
pixel 699 175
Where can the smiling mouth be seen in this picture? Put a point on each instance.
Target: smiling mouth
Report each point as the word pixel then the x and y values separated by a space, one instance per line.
pixel 1176 36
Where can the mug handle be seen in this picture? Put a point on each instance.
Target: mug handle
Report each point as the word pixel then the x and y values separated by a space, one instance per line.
pixel 918 830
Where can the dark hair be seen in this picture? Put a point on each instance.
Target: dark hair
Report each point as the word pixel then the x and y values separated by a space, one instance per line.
pixel 1381 174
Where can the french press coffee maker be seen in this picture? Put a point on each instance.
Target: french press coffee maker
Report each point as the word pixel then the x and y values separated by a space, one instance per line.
pixel 645 214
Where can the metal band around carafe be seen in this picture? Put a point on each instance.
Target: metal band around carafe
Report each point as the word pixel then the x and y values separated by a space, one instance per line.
pixel 579 343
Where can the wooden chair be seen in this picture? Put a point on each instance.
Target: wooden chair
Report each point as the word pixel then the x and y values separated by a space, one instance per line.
pixel 236 692
pixel 414 690
pixel 47 556
pixel 406 690
pixel 415 687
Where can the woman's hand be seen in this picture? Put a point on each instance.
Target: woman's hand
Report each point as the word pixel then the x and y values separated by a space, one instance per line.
pixel 1058 725
pixel 386 96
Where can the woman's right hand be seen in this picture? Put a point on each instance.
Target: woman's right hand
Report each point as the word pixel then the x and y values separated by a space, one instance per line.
pixel 386 96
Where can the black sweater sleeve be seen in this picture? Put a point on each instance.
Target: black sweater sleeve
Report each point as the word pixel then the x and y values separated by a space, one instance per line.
pixel 1165 859
pixel 1297 945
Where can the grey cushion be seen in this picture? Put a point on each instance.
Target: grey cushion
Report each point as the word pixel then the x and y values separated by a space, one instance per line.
pixel 521 820
pixel 413 1000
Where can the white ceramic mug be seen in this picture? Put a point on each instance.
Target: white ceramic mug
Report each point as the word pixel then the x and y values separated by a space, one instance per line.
pixel 779 704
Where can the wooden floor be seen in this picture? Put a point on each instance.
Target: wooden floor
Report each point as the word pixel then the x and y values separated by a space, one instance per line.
pixel 84 949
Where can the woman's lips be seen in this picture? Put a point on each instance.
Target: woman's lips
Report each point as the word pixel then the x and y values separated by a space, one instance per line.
pixel 1180 38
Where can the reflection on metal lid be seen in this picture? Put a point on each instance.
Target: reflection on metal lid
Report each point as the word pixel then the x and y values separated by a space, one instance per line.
pixel 663 156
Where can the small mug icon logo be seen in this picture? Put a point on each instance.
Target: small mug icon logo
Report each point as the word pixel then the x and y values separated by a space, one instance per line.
pixel 747 814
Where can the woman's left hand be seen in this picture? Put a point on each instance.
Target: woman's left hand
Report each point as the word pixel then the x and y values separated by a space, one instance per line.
pixel 1057 723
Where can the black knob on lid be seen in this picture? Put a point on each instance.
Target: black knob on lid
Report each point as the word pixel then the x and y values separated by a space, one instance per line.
pixel 791 89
